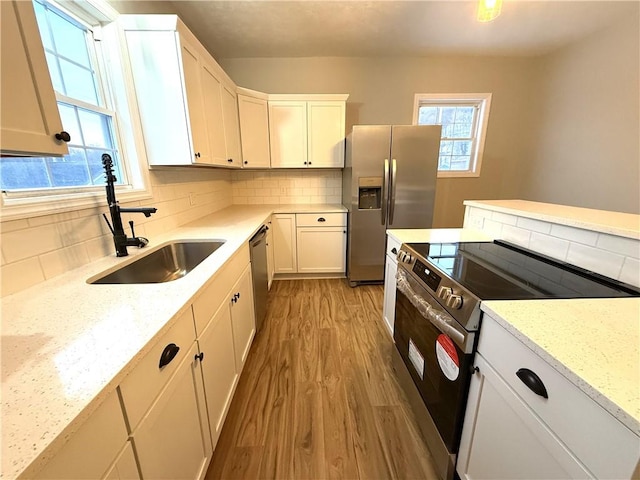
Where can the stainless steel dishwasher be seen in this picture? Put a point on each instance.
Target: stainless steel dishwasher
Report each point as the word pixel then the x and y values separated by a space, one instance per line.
pixel 258 247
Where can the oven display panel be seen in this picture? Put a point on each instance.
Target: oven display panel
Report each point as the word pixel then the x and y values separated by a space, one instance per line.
pixel 429 277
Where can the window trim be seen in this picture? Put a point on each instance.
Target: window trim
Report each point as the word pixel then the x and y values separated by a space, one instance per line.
pixel 483 100
pixel 100 16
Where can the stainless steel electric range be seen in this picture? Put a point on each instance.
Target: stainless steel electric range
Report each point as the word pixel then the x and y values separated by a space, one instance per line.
pixel 440 287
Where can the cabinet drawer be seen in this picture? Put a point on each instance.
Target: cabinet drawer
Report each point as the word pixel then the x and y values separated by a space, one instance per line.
pixel 602 443
pixel 215 293
pixel 393 244
pixel 143 384
pixel 315 220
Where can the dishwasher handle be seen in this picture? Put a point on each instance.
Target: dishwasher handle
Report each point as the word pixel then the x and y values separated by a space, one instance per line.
pixel 262 233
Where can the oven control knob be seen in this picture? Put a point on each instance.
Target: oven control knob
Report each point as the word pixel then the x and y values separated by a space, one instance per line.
pixel 444 293
pixel 455 302
pixel 404 257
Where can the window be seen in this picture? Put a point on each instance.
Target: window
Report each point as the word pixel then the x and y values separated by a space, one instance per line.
pixel 86 71
pixel 464 121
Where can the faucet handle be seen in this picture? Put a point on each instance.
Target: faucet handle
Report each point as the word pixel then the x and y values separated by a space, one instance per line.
pixel 142 242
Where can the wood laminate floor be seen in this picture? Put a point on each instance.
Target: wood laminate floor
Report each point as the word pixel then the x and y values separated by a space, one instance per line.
pixel 317 398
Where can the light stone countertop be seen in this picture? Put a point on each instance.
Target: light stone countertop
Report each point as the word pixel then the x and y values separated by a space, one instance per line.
pixel 67 344
pixel 594 343
pixel 614 223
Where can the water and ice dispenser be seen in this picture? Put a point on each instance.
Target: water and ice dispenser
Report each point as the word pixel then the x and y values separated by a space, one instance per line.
pixel 369 193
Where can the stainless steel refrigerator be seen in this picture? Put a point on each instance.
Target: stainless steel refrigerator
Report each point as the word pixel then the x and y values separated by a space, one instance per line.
pixel 389 181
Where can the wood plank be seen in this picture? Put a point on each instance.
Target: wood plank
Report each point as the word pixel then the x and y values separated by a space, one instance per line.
pixel 309 447
pixel 243 464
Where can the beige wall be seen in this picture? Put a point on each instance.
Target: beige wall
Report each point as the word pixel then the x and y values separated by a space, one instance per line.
pixel 586 133
pixel 381 91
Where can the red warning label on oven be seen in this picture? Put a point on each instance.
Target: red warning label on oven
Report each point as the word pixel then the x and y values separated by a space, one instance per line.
pixel 447 357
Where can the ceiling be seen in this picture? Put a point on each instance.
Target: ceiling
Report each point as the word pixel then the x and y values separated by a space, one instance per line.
pixel 269 28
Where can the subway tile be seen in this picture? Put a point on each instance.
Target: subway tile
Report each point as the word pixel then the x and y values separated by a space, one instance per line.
pixel 62 260
pixel 533 225
pixel 548 245
pixel 82 229
pixel 621 245
pixel 504 218
pixel 630 272
pixel 516 235
pixel 491 227
pixel 479 212
pixel 20 275
pixel 599 261
pixel 577 235
pixel 13 225
pixel 22 244
pixel 240 200
pixel 100 247
pixel 471 220
pixel 54 218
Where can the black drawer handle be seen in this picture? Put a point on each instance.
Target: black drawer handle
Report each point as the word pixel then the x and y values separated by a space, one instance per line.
pixel 322 219
pixel 532 381
pixel 394 251
pixel 168 354
pixel 199 356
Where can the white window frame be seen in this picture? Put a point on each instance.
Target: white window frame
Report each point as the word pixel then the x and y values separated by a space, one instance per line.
pixel 128 133
pixel 482 101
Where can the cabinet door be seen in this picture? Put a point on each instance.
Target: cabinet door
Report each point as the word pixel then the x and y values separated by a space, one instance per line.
pixel 284 243
pixel 212 93
pixel 218 368
pixel 288 134
pixel 502 437
pixel 321 249
pixel 93 448
pixel 173 440
pixel 29 112
pixel 125 467
pixel 326 125
pixel 242 317
pixel 231 126
pixel 270 263
pixel 389 303
pixel 254 132
pixel 195 103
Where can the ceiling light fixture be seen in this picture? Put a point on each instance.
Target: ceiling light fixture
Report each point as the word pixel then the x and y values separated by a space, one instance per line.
pixel 488 9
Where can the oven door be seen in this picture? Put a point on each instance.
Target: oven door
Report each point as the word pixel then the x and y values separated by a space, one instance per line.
pixel 438 354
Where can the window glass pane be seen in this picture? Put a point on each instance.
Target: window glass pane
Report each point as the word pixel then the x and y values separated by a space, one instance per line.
pixel 96 170
pixel 465 115
pixel 461 131
pixel 448 115
pixel 70 123
pixel 18 173
pixel 447 131
pixel 69 171
pixel 446 147
pixel 427 115
pixel 460 163
pixel 79 82
pixel 70 39
pixel 444 162
pixel 54 73
pixel 95 129
pixel 462 148
pixel 43 26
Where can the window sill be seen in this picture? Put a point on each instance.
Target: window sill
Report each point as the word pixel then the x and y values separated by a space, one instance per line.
pixel 458 174
pixel 28 207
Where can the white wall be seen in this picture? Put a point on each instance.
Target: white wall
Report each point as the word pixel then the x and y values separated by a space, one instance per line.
pixel 586 148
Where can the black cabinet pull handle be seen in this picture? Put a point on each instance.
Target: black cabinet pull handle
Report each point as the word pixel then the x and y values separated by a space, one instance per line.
pixel 197 155
pixel 394 251
pixel 322 219
pixel 199 356
pixel 168 354
pixel 230 160
pixel 533 382
pixel 245 162
pixel 63 136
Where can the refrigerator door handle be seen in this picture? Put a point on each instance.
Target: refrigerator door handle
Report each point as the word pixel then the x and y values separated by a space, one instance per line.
pixel 385 192
pixel 392 201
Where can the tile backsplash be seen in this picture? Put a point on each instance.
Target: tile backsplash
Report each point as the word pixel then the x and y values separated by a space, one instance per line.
pixel 38 248
pixel 287 186
pixel 610 255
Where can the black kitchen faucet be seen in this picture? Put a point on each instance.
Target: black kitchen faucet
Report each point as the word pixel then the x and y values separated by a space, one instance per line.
pixel 120 239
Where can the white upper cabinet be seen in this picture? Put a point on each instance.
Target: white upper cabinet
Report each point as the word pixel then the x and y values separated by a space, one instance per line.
pixel 307 131
pixel 29 116
pixel 188 105
pixel 254 128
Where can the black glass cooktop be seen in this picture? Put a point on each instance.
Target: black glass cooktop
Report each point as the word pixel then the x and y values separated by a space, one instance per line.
pixel 501 271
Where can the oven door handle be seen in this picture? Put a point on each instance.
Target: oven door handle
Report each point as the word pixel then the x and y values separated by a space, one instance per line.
pixel 439 318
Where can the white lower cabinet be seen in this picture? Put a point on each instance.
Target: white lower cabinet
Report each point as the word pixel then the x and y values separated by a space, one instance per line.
pixel 172 440
pixel 284 243
pixel 513 431
pixel 390 270
pixel 94 450
pixel 125 467
pixel 243 318
pixel 270 261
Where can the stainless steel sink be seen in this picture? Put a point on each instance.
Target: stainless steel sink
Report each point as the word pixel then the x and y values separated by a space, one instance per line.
pixel 168 263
